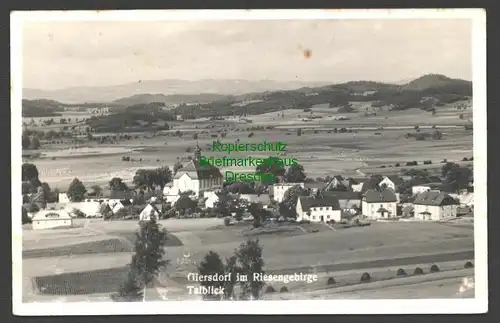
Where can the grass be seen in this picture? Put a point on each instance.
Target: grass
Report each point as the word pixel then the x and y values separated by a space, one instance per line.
pixel 90 282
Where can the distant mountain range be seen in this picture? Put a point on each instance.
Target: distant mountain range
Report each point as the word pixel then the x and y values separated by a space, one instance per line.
pixel 208 88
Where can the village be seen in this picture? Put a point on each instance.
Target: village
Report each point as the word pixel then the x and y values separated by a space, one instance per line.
pixel 196 190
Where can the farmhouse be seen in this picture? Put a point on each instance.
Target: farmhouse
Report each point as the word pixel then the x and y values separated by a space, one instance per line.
pixel 47 219
pixel 150 210
pixel 120 205
pixel 318 209
pixel 280 189
pixel 434 205
pixel 195 177
pixel 379 204
pixel 392 182
pixel 348 201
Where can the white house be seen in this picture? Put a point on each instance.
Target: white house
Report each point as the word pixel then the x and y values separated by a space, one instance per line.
pixel 120 205
pixel 211 199
pixel 418 189
pixel 150 210
pixel 255 198
pixel 91 209
pixel 466 199
pixel 435 206
pixel 348 201
pixel 47 219
pixel 63 198
pixel 195 177
pixel 318 209
pixel 377 204
pixel 357 187
pixel 280 189
pixel 391 182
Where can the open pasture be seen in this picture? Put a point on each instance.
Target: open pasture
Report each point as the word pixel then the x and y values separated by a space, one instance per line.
pixel 321 153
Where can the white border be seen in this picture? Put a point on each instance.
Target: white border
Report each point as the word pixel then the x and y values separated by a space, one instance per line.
pixel 429 306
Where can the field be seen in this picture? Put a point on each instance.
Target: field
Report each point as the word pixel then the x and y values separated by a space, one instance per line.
pixel 92 259
pixel 320 150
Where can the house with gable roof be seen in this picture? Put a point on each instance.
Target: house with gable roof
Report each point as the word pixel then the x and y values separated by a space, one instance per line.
pixel 434 205
pixel 195 177
pixel 379 204
pixel 321 209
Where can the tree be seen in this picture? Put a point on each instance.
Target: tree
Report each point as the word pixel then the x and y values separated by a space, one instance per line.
pixel 271 165
pixel 447 167
pixel 185 203
pixel 295 174
pixel 177 166
pixel 437 135
pixel 162 177
pixel 148 258
pixel 24 216
pixel 195 136
pixel 76 191
pixel 290 198
pixel 299 132
pixel 47 196
pixel 145 178
pixel 250 261
pixel 458 178
pixel 35 143
pixel 96 189
pixel 232 269
pixel 240 188
pixel 116 184
pixel 26 141
pixel 29 172
pixel 210 265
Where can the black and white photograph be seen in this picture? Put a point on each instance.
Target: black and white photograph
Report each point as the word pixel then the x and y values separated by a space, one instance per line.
pixel 285 161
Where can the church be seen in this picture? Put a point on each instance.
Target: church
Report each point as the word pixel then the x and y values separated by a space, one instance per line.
pixel 194 177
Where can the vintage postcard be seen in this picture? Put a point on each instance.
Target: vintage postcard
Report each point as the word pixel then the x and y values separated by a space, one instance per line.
pixel 285 161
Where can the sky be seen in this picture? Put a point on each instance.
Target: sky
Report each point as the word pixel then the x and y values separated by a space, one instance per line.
pixel 63 54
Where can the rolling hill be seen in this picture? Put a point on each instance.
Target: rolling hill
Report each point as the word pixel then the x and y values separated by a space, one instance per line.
pixel 165 87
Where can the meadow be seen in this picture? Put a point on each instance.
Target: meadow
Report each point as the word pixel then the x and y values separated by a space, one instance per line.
pixel 67 256
pixel 321 151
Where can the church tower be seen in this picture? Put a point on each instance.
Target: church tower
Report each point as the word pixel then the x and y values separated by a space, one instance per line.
pixel 197 152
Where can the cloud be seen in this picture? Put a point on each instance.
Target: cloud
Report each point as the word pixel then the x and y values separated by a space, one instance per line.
pixel 62 54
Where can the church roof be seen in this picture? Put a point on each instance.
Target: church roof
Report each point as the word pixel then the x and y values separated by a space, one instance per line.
pixel 196 171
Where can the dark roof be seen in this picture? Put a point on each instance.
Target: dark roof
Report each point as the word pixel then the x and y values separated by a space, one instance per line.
pixel 374 196
pixel 396 179
pixel 315 185
pixel 125 202
pixel 371 183
pixel 119 195
pixel 343 195
pixel 308 202
pixel 197 171
pixel 434 198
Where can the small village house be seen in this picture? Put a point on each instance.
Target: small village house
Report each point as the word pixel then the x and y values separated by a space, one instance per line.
pixel 211 199
pixel 348 201
pixel 314 187
pixel 418 189
pixel 194 177
pixel 150 210
pixel 47 219
pixel 280 189
pixel 391 182
pixel 435 206
pixel 378 204
pixel 322 209
pixel 120 205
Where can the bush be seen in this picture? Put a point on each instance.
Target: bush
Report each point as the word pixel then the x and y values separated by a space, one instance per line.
pixel 227 221
pixel 366 277
pixel 401 272
pixel 270 289
pixel 397 165
pixel 418 271
pixel 250 135
pixel 434 269
pixel 283 290
pixel 468 264
pixel 331 281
